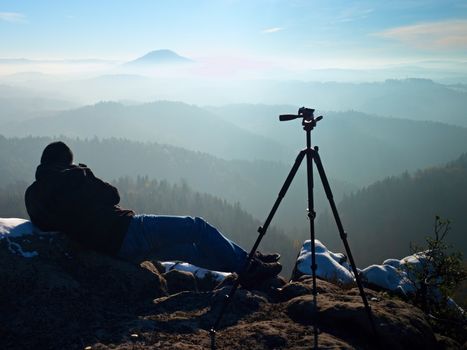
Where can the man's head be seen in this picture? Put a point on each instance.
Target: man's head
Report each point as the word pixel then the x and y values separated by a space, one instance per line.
pixel 57 152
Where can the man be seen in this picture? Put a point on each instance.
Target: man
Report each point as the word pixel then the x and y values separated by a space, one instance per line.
pixel 69 198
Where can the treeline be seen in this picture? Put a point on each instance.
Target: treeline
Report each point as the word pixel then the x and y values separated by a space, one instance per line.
pixel 12 200
pixel 384 218
pixel 357 147
pixel 152 196
pixel 254 184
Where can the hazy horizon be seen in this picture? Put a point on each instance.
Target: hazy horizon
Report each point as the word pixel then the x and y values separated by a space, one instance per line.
pixel 231 40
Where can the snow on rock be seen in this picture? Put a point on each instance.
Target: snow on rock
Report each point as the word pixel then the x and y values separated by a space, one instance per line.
pixel 198 272
pixel 14 228
pixel 399 276
pixel 388 277
pixel 19 228
pixel 395 275
pixel 331 266
pixel 456 308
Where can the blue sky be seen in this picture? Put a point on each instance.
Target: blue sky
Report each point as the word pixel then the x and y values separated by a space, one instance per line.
pixel 319 34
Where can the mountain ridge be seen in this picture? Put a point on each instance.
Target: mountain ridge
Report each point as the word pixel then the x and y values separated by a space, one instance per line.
pixel 157 57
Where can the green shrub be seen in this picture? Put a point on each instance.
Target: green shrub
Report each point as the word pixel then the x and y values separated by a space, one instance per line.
pixel 435 278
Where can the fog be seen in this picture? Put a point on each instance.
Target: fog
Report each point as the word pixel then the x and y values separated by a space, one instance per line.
pixel 221 116
pixel 214 80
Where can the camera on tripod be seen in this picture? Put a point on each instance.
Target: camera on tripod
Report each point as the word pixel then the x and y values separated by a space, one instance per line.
pixel 312 158
pixel 307 115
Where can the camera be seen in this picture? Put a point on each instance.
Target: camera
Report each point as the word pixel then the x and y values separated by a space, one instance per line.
pixel 306 113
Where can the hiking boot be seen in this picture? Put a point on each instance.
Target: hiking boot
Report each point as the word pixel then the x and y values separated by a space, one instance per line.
pixel 267 258
pixel 259 272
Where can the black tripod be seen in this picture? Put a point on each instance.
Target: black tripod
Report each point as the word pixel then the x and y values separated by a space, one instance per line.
pixel 309 123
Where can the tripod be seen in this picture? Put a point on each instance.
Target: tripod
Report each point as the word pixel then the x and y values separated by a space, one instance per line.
pixel 309 123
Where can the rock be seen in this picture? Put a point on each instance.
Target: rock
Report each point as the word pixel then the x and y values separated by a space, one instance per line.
pixel 243 298
pixel 399 325
pixel 332 267
pixel 179 281
pixel 293 290
pixel 154 269
pixel 65 295
pixel 228 281
pixel 57 295
pixel 448 343
pixel 158 265
pixel 205 279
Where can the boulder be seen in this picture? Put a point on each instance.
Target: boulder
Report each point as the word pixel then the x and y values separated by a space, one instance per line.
pixel 342 314
pixel 205 279
pixel 55 294
pixel 179 281
pixel 331 266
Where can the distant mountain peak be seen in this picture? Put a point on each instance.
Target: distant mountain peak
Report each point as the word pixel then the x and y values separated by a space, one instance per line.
pixel 163 56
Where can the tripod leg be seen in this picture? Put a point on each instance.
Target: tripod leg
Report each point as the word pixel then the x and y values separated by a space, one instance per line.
pixel 262 231
pixel 311 217
pixel 342 234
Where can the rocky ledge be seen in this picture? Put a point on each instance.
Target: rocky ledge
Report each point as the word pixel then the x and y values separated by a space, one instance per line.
pixel 56 295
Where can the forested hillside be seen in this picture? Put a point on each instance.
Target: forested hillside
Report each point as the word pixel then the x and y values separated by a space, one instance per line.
pixel 151 196
pixel 254 184
pixel 357 147
pixel 174 123
pixel 384 218
pixel 161 197
pixel 12 200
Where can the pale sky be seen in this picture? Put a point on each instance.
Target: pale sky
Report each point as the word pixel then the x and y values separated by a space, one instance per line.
pixel 299 33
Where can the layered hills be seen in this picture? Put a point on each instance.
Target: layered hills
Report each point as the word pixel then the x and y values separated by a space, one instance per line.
pixel 254 184
pixel 385 217
pixel 356 147
pixel 413 99
pixel 165 122
pixel 396 210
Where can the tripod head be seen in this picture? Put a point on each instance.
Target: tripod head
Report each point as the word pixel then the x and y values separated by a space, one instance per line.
pixel 307 114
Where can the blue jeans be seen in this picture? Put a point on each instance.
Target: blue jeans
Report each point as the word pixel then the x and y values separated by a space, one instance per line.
pixel 184 238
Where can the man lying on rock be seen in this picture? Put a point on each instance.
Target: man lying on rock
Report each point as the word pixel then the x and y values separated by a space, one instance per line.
pixel 68 198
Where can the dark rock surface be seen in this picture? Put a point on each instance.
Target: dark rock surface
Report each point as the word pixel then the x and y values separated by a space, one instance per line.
pixel 67 296
pixel 70 298
pixel 179 281
pixel 398 325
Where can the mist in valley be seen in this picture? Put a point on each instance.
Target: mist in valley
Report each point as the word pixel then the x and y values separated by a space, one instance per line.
pixel 393 138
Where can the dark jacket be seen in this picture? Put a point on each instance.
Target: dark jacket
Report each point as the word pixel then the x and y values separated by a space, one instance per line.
pixel 70 199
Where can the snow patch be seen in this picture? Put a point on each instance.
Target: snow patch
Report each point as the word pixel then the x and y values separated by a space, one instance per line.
pixel 399 276
pixel 198 272
pixel 330 266
pixel 395 275
pixel 14 228
pixel 388 277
